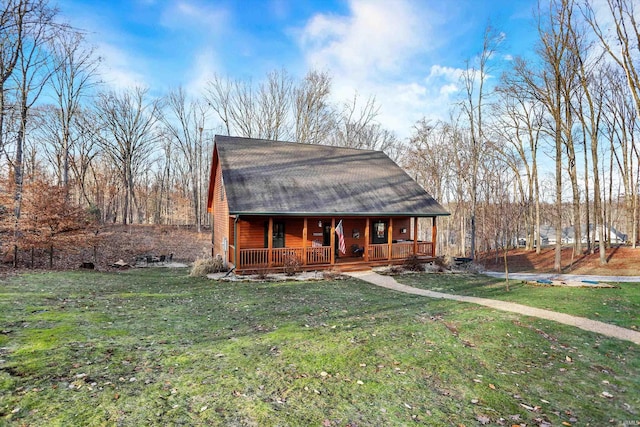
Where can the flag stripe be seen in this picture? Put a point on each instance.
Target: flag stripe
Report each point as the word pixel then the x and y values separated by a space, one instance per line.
pixel 340 233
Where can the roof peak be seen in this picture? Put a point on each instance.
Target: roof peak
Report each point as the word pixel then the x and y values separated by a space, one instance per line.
pixel 241 139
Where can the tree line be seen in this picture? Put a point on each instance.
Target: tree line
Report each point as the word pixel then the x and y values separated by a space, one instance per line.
pixel 548 139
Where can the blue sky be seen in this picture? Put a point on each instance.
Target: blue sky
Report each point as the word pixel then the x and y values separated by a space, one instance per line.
pixel 407 53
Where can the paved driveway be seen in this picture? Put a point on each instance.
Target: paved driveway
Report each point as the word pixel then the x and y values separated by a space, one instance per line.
pixel 564 277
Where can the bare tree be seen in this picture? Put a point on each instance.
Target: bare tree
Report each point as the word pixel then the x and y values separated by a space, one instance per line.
pixel 627 37
pixel 589 109
pixel 518 122
pixel 128 120
pixel 30 77
pixel 13 19
pixel 621 126
pixel 184 123
pixel 473 79
pixel 548 85
pixel 357 127
pixel 314 116
pixel 274 99
pixel 244 110
pixel 75 67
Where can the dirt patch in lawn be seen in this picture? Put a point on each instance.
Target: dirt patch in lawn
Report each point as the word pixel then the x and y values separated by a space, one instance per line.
pixel 621 261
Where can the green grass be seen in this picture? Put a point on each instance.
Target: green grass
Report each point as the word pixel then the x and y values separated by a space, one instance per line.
pixel 618 306
pixel 156 347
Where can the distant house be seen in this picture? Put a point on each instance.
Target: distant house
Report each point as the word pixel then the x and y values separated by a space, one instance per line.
pixel 548 234
pixel 274 203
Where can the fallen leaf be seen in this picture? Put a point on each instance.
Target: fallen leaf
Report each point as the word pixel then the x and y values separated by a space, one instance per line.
pixel 568 359
pixel 492 387
pixel 607 394
pixel 483 419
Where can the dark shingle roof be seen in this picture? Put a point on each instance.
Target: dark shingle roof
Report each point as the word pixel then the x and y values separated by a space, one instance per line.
pixel 287 178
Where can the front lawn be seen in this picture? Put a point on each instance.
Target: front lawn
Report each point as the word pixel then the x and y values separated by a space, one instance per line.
pixel 156 347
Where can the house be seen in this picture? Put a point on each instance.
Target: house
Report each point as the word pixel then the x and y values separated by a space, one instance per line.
pixel 273 203
pixel 548 233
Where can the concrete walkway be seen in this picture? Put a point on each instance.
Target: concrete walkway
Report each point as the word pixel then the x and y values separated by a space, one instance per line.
pixel 579 322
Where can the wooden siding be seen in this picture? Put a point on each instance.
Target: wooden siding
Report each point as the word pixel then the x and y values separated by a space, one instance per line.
pixel 398 225
pixel 252 235
pixel 220 215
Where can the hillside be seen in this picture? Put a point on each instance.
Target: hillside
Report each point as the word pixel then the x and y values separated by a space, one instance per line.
pixel 622 261
pixel 124 242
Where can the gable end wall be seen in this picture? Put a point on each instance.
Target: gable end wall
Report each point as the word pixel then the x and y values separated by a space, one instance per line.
pixel 219 215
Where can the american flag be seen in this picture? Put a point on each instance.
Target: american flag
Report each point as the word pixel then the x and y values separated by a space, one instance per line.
pixel 340 233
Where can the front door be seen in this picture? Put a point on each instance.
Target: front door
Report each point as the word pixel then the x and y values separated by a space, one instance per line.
pixel 326 235
pixel 379 234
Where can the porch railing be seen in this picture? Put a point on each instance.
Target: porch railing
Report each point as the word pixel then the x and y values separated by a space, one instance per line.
pixel 280 256
pixel 378 252
pixel 259 257
pixel 254 257
pixel 425 248
pixel 401 250
pixel 319 255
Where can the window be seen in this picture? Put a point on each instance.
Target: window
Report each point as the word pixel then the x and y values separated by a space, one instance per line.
pixel 277 238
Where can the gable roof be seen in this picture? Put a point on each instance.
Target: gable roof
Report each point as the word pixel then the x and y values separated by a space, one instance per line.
pixel 265 177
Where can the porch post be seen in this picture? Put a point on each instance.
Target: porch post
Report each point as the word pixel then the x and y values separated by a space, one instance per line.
pixel 270 242
pixel 366 240
pixel 415 235
pixel 236 241
pixel 304 242
pixel 434 233
pixel 333 241
pixel 390 238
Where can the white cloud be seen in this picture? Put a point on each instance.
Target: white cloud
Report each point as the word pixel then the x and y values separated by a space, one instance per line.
pixel 448 73
pixel 449 89
pixel 380 49
pixel 201 72
pixel 195 16
pixel 118 68
pixel 377 37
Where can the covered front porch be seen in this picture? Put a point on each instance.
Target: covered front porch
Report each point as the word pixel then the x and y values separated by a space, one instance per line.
pixel 259 243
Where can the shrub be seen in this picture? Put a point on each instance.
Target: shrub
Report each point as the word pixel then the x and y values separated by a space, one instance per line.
pixel 291 265
pixel 413 263
pixel 203 266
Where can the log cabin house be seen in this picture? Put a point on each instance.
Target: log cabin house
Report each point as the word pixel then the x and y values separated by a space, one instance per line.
pixel 273 203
